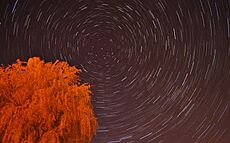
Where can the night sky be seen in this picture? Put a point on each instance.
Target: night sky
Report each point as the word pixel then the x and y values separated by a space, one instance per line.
pixel 159 69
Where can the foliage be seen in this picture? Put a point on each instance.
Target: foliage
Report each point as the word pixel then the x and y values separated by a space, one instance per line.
pixel 44 102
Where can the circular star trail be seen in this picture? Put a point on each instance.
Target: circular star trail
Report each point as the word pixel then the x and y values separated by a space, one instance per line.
pixel 159 69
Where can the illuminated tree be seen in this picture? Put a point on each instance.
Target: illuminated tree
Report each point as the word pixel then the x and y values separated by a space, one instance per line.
pixel 45 103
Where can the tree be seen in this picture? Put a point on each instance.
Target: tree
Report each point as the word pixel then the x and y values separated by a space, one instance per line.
pixel 44 102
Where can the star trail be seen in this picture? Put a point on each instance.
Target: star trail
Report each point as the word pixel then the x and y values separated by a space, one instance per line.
pixel 159 69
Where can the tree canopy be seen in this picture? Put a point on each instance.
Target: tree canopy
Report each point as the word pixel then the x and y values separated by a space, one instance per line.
pixel 44 102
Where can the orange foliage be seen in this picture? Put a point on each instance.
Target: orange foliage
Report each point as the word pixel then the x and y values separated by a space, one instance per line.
pixel 45 103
